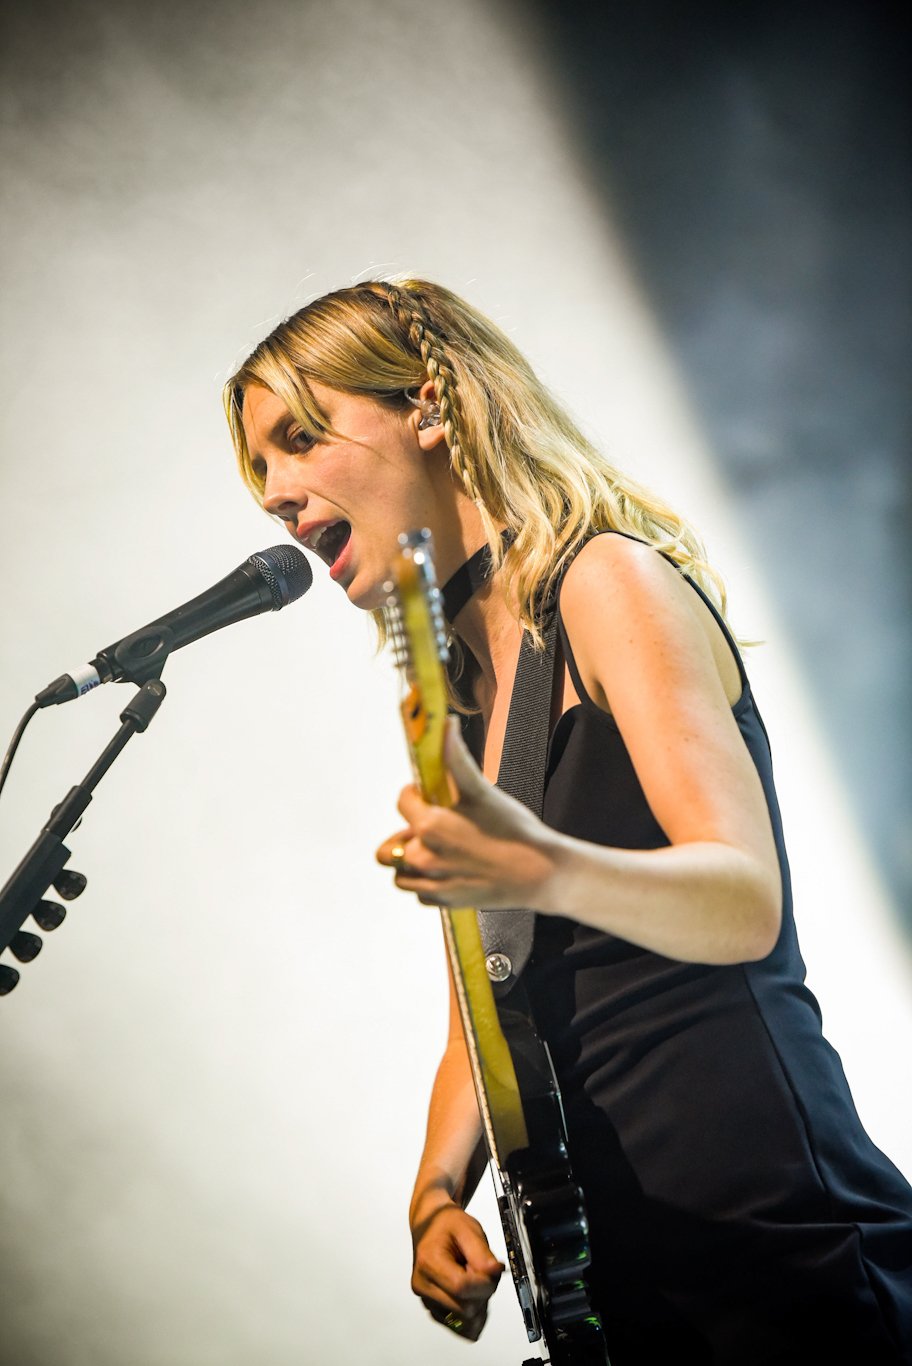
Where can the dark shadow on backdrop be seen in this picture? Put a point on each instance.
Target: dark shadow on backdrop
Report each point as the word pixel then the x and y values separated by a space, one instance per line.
pixel 756 158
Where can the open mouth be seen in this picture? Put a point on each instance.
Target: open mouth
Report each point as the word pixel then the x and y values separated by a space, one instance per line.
pixel 330 541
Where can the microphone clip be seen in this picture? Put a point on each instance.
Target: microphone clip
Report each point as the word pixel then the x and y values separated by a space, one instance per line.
pixel 141 657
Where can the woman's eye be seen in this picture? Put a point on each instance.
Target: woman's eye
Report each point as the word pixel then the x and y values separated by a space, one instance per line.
pixel 299 440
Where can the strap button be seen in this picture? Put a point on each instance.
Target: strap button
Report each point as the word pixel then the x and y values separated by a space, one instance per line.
pixel 499 967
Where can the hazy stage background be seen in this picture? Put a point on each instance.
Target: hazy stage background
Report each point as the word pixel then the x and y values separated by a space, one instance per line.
pixel 214 1077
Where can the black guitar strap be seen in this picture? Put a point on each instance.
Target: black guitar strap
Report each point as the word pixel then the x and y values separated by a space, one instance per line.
pixel 507 935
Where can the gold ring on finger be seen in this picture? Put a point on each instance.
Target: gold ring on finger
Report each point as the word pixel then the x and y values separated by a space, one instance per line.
pixel 397 854
pixel 454 1321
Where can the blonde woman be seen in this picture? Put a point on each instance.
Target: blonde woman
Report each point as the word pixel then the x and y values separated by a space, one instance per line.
pixel 739 1213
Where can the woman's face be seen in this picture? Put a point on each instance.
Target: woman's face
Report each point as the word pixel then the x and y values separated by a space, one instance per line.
pixel 348 498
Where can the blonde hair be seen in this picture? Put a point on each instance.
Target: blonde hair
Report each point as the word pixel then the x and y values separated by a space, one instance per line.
pixel 514 449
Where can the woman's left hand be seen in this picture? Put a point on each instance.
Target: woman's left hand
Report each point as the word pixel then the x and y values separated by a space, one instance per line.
pixel 486 851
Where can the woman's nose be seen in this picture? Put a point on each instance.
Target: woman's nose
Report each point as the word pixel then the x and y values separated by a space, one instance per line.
pixel 282 493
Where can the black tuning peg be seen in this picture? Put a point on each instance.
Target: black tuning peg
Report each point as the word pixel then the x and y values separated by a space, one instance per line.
pixel 8 978
pixel 25 946
pixel 49 914
pixel 70 885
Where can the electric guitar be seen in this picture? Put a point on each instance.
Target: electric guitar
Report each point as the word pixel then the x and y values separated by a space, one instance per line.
pixel 541 1206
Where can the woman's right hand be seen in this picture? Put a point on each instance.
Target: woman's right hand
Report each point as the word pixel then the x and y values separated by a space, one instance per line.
pixel 455 1272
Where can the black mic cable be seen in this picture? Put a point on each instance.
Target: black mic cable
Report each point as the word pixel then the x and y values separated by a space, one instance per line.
pixel 265 582
pixel 14 743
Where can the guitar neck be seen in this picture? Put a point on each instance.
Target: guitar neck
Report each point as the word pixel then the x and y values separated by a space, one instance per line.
pixel 424 715
pixel 492 1066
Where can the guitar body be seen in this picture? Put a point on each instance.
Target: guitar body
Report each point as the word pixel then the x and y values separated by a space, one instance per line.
pixel 542 1199
pixel 541 1206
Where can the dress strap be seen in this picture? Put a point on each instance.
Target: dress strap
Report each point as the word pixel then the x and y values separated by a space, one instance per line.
pixel 720 622
pixel 570 661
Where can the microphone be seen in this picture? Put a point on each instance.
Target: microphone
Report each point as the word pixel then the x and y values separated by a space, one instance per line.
pixel 265 582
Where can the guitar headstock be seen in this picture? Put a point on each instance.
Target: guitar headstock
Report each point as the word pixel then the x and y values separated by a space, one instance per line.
pixel 418 635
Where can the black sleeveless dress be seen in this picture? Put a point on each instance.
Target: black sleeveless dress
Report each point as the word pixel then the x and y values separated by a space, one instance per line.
pixel 739 1212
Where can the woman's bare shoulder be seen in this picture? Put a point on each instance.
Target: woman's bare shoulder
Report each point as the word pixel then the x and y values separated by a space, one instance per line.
pixel 621 600
pixel 614 573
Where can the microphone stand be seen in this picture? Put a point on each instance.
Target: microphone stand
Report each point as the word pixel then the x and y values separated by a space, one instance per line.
pixel 45 860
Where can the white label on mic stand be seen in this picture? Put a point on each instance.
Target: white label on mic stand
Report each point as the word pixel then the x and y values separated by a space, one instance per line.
pixel 85 677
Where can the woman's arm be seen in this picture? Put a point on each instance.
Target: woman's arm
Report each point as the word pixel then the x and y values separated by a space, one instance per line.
pixel 454 1269
pixel 643 652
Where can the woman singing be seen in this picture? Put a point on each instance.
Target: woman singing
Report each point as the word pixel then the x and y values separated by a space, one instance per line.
pixel 739 1213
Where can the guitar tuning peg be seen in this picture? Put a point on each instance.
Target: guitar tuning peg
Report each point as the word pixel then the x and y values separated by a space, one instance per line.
pixel 70 884
pixel 25 946
pixel 49 914
pixel 8 978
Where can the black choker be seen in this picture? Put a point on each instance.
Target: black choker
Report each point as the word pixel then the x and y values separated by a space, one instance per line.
pixel 467 580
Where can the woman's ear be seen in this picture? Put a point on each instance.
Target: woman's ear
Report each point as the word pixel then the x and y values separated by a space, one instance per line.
pixel 428 427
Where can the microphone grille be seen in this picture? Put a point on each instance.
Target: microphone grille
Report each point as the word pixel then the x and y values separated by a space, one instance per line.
pixel 286 570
